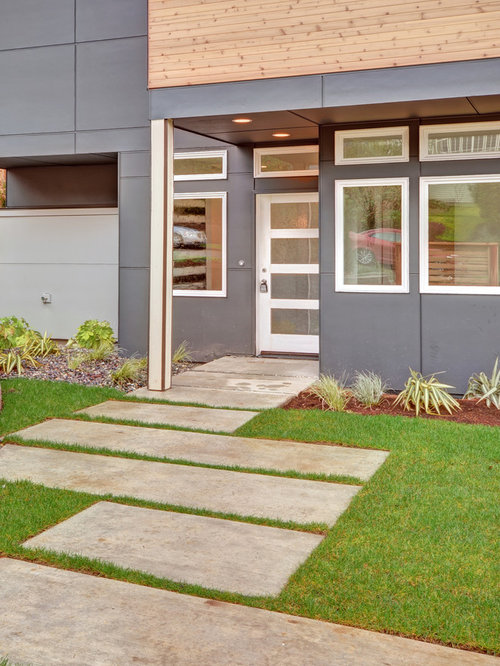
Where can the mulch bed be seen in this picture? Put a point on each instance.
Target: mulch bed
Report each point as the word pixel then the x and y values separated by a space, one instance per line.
pixel 471 412
pixel 90 373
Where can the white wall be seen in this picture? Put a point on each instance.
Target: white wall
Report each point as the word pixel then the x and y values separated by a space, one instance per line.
pixel 71 254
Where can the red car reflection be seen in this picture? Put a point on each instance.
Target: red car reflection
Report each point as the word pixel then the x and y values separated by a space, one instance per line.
pixel 382 245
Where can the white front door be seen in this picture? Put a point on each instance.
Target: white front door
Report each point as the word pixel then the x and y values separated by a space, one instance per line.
pixel 288 273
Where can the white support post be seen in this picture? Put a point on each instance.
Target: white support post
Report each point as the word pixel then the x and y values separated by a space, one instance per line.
pixel 161 270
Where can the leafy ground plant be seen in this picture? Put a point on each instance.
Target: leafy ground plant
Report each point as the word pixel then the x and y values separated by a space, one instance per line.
pixel 129 371
pixel 332 392
pixel 427 394
pixel 368 388
pixel 11 329
pixel 485 388
pixel 93 334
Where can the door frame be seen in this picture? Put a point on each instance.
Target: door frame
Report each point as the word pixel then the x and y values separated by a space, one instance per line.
pixel 262 245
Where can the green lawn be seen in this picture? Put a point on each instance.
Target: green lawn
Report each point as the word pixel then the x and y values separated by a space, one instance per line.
pixel 415 554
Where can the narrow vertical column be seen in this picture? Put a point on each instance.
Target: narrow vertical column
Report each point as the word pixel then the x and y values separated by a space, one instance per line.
pixel 162 213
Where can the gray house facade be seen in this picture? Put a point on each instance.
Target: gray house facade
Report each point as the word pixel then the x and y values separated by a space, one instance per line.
pixel 346 214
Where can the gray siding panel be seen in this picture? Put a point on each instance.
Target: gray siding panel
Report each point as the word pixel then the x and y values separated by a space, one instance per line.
pixel 419 82
pixel 134 222
pixel 36 145
pixel 97 19
pixel 135 164
pixel 111 84
pixel 217 326
pixel 134 310
pixel 246 96
pixel 26 23
pixel 111 141
pixel 37 89
pixel 460 334
pixel 377 332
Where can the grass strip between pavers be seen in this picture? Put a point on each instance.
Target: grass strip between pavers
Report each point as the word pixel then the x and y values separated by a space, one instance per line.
pixel 103 451
pixel 415 554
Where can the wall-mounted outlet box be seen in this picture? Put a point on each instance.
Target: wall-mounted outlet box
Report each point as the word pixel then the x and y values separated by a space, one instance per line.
pixel 46 298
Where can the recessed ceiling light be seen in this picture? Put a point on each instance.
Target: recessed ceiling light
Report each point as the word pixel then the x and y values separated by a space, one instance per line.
pixel 242 121
pixel 281 135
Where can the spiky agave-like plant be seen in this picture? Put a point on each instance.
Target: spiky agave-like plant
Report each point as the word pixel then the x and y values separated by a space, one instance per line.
pixel 485 388
pixel 426 393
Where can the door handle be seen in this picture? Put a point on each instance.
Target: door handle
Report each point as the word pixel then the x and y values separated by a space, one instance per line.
pixel 263 287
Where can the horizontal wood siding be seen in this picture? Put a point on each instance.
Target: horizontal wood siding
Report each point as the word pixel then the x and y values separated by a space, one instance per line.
pixel 209 41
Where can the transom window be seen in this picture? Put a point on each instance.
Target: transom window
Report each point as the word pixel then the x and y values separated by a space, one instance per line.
pixel 460 234
pixel 200 244
pixel 461 141
pixel 381 144
pixel 371 243
pixel 286 161
pixel 206 165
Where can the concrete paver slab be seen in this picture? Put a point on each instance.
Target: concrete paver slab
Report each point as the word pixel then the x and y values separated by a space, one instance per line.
pixel 83 621
pixel 242 382
pixel 223 420
pixel 217 397
pixel 282 367
pixel 221 554
pixel 212 449
pixel 213 489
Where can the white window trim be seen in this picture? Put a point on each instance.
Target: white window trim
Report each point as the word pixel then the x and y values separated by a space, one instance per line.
pixel 456 128
pixel 340 285
pixel 425 287
pixel 368 133
pixel 209 293
pixel 282 150
pixel 202 154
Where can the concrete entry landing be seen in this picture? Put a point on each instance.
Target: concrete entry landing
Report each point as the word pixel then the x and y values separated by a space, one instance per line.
pixel 217 490
pixel 82 620
pixel 221 554
pixel 201 447
pixel 239 381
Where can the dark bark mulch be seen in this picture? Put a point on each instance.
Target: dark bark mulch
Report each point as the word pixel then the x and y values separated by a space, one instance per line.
pixel 472 411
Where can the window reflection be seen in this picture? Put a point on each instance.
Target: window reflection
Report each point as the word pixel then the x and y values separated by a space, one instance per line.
pixel 464 233
pixel 198 251
pixel 372 235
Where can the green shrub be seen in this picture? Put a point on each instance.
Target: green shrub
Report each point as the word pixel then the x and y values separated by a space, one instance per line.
pixel 129 371
pixel 485 388
pixel 93 334
pixel 332 392
pixel 426 393
pixel 368 388
pixel 11 329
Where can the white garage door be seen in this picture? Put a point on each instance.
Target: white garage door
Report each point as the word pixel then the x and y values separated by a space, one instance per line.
pixel 69 254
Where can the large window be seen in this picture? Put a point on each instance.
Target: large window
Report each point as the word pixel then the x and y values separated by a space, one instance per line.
pixel 460 234
pixel 461 141
pixel 286 161
pixel 372 235
pixel 200 244
pixel 381 144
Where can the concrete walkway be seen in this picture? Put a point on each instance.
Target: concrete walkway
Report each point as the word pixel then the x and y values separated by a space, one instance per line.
pixel 268 454
pixel 239 381
pixel 51 616
pixel 55 617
